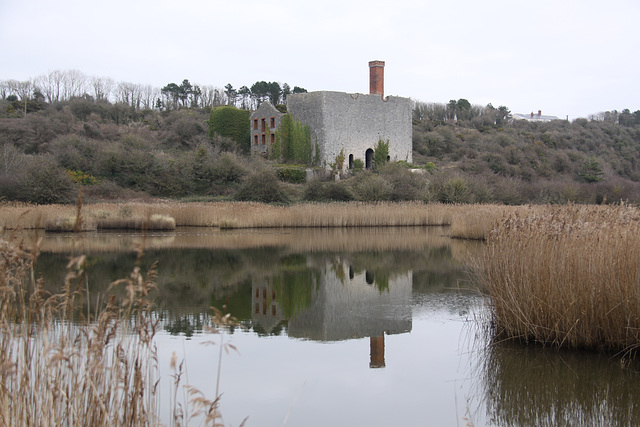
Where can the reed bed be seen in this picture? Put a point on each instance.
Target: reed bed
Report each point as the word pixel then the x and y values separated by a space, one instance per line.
pixel 63 362
pixel 333 239
pixel 240 214
pixel 566 276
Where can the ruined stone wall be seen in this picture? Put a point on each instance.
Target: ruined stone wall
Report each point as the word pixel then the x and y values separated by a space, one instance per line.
pixel 355 123
pixel 261 139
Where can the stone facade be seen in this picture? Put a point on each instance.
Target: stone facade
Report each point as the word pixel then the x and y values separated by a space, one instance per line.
pixel 354 123
pixel 264 123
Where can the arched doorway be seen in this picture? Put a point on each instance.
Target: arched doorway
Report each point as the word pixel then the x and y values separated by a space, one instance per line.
pixel 368 155
pixel 350 161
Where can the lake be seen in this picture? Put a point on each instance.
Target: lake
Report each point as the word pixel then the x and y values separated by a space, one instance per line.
pixel 343 327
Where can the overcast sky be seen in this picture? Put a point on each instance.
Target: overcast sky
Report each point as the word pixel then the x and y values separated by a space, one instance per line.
pixel 564 57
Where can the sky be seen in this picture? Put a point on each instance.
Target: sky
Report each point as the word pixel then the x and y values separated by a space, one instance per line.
pixel 567 58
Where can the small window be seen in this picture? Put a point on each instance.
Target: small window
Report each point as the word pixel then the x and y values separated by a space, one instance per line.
pixel 264 124
pixel 273 138
pixel 274 311
pixel 255 139
pixel 255 123
pixel 272 122
pixel 264 138
pixel 256 306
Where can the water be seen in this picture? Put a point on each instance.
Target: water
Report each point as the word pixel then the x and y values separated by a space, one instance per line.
pixel 341 327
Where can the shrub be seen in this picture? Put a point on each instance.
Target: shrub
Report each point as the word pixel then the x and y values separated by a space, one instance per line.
pixel 358 165
pixel 262 186
pixel 45 182
pixel 318 191
pixel 454 190
pixel 292 175
pixel 405 184
pixel 369 187
pixel 228 168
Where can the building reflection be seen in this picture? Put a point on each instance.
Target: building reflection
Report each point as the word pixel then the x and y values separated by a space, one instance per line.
pixel 336 303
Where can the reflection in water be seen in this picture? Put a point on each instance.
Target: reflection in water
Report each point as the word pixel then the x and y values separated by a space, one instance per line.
pixel 349 287
pixel 533 386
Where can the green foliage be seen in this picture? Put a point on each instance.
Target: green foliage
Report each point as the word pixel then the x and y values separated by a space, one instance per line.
pixel 380 154
pixel 292 175
pixel 358 165
pixel 590 171
pixel 293 140
pixel 454 190
pixel 233 123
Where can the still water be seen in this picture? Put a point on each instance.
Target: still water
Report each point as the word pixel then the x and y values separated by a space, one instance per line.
pixel 352 327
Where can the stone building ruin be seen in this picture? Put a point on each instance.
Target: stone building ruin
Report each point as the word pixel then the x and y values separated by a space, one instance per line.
pixel 350 123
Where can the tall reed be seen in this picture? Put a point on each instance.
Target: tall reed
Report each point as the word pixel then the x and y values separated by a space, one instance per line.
pixel 57 367
pixel 237 214
pixel 568 276
pixel 64 361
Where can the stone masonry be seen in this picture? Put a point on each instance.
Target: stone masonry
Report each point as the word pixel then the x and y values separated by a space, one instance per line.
pixel 354 123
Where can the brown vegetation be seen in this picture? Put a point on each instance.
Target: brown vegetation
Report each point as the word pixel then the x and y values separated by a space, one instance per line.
pixel 567 276
pixel 236 214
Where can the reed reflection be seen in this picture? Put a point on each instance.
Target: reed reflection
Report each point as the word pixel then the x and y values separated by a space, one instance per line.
pixel 533 386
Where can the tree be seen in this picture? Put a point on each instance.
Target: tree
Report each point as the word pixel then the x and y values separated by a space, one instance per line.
pixel 231 94
pixel 260 92
pixel 380 154
pixel 245 96
pixel 274 92
pixel 590 171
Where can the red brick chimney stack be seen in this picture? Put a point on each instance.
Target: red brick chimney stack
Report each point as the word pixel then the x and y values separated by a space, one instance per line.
pixel 376 78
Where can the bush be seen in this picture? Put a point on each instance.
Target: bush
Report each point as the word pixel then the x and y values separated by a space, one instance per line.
pixel 262 186
pixel 292 175
pixel 405 184
pixel 369 187
pixel 45 182
pixel 331 191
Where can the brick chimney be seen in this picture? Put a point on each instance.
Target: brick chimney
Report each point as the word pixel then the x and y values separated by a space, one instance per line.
pixel 539 112
pixel 376 78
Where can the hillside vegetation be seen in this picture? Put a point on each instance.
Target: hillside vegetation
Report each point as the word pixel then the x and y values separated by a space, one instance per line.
pixel 466 154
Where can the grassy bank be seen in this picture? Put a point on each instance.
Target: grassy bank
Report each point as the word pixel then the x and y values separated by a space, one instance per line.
pixel 567 276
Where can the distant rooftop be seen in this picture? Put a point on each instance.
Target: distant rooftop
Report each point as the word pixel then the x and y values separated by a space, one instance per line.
pixel 534 117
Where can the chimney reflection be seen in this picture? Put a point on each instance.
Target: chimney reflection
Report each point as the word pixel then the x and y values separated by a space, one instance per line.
pixel 377 352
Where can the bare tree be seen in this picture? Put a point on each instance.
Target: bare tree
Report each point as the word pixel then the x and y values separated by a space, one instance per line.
pixel 149 95
pixel 102 87
pixel 50 85
pixel 75 83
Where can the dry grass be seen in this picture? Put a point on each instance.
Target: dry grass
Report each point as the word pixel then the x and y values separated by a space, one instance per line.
pixel 238 214
pixel 65 362
pixel 566 276
pixel 57 368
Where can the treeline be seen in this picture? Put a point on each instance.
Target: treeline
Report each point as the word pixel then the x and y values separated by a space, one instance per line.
pixel 481 157
pixel 466 153
pixel 22 97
